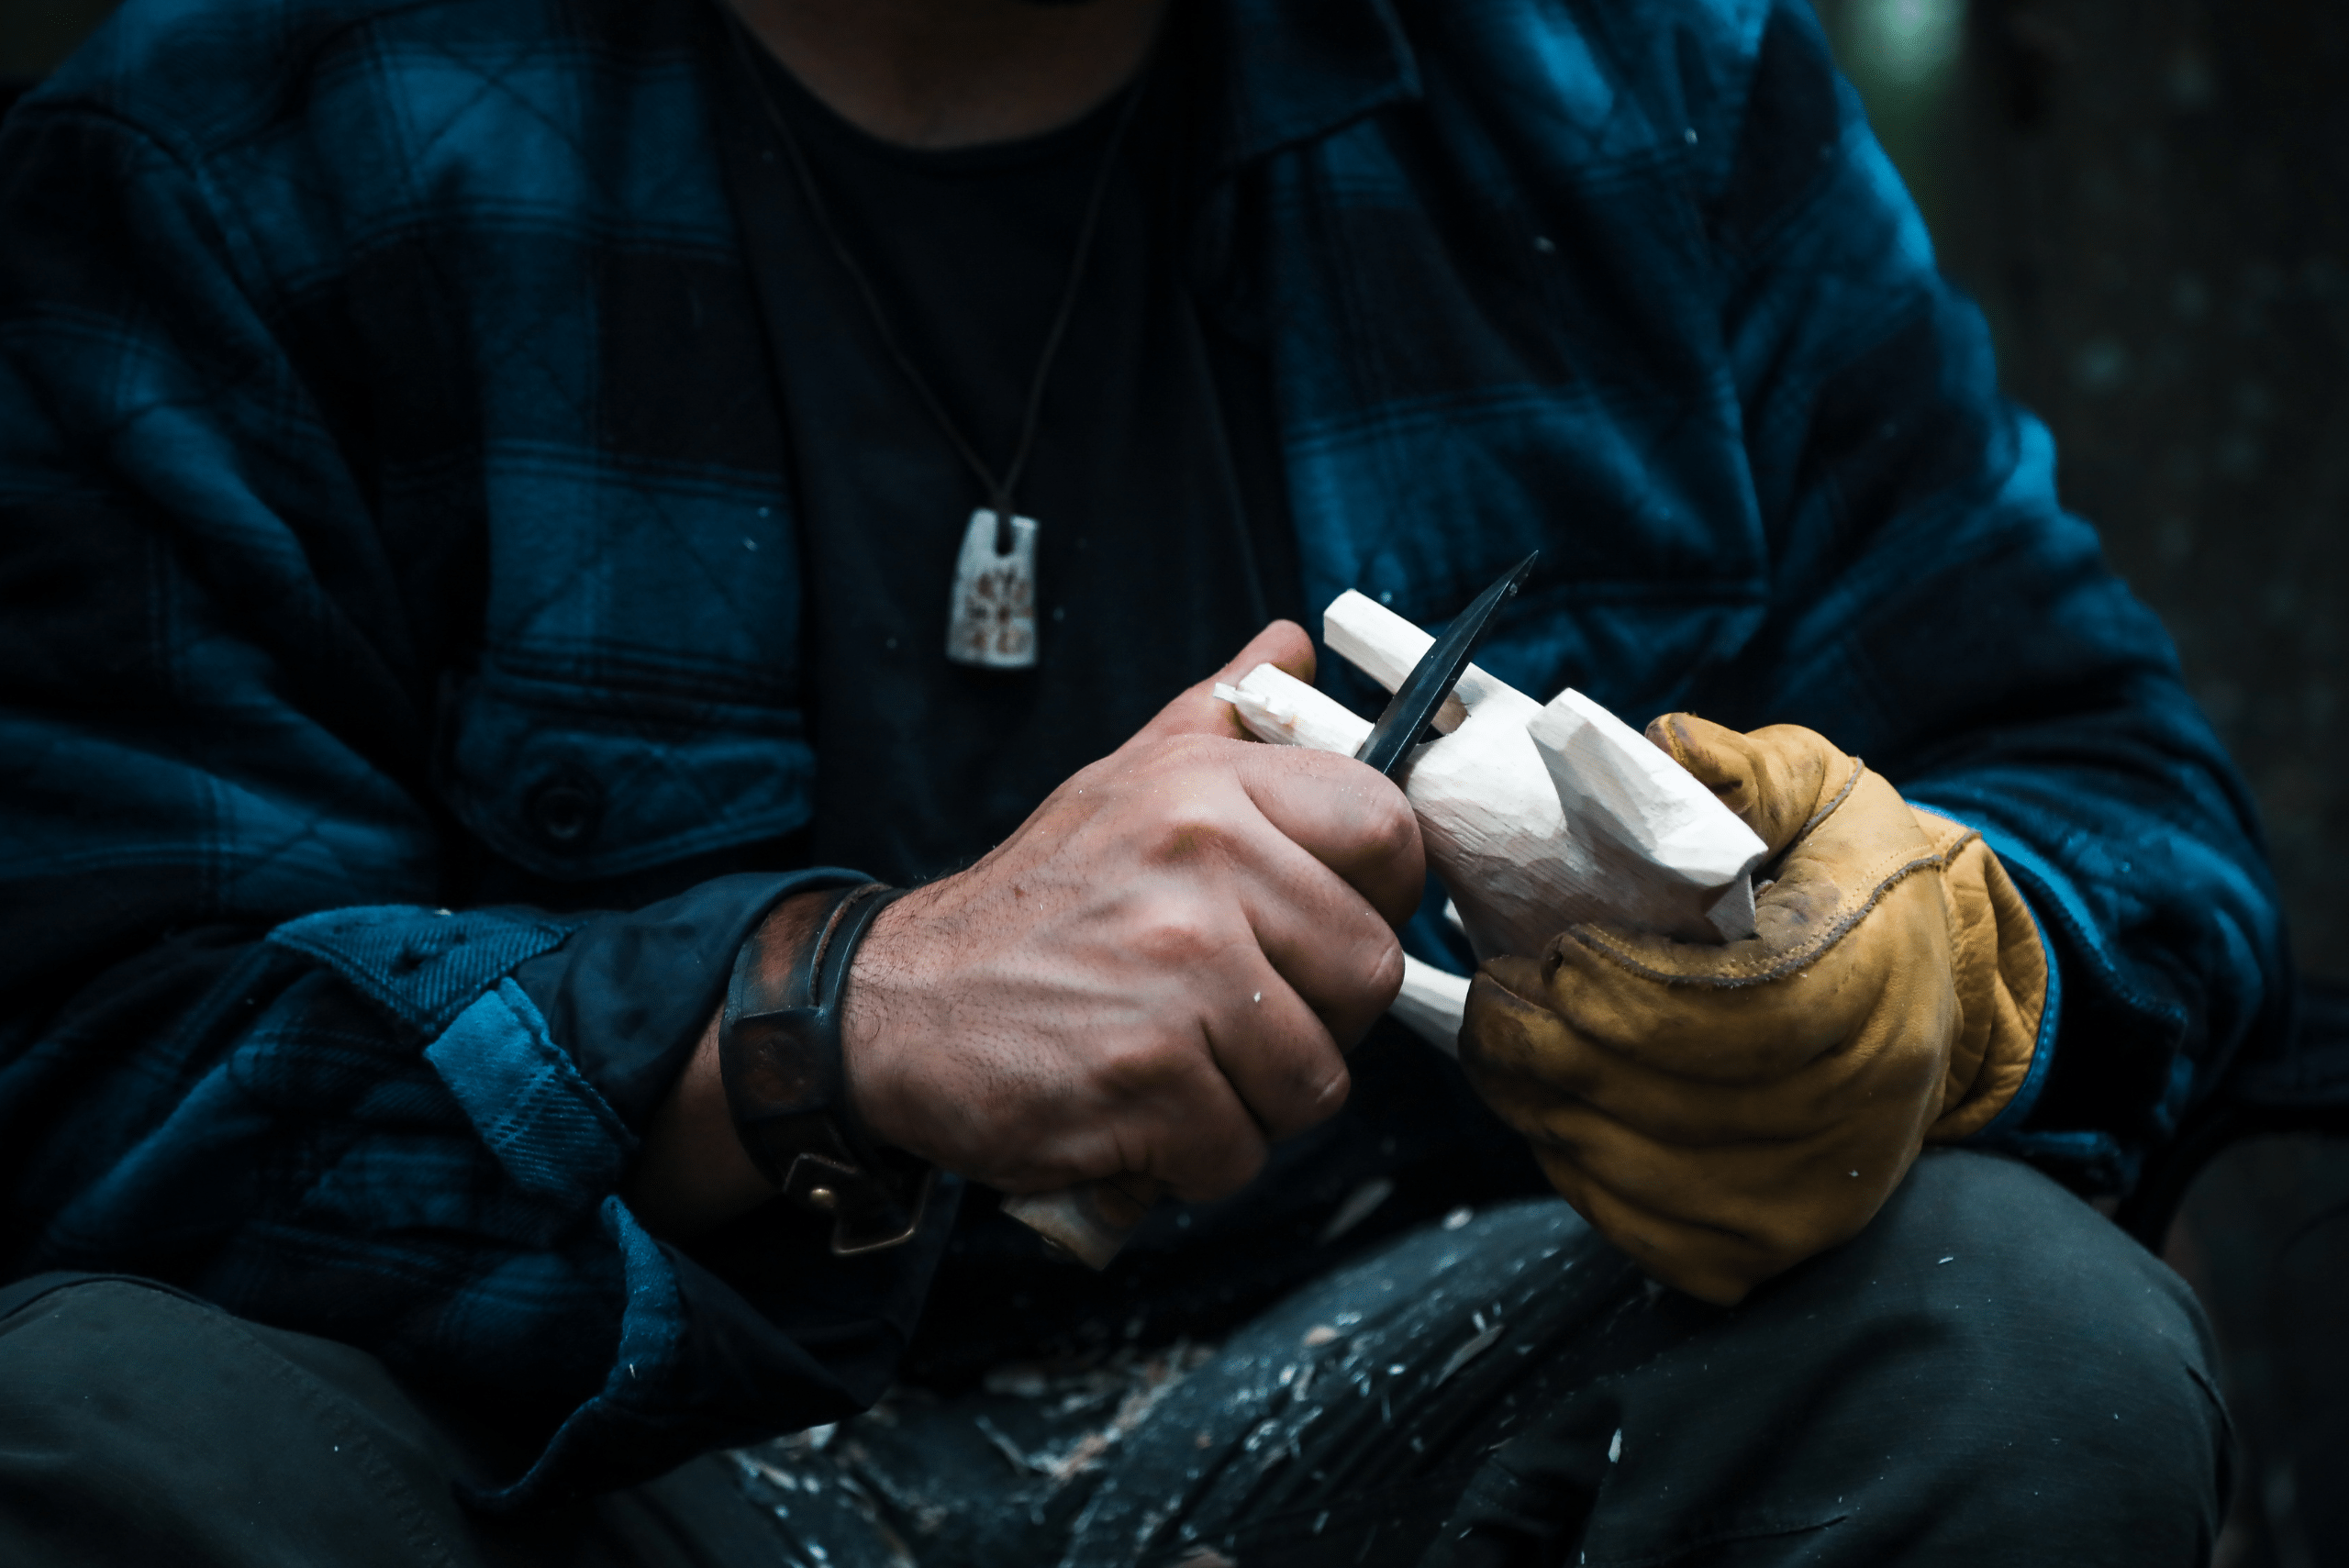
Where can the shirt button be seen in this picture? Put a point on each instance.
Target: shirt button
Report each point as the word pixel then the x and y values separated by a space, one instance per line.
pixel 564 810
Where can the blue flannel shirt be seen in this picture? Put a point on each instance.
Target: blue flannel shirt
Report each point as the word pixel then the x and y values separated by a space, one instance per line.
pixel 374 607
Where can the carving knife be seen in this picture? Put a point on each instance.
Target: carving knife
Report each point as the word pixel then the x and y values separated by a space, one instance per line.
pixel 1091 1220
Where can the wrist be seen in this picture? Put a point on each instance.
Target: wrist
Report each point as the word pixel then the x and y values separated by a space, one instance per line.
pixel 696 1171
pixel 780 1060
pixel 876 1021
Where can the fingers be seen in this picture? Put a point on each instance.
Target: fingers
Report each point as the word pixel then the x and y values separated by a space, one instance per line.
pixel 1265 1038
pixel 1346 817
pixel 1180 1125
pixel 1286 959
pixel 1336 951
pixel 1199 711
pixel 1195 1136
pixel 1334 868
pixel 1345 967
pixel 1715 1229
pixel 1711 1265
pixel 1279 1057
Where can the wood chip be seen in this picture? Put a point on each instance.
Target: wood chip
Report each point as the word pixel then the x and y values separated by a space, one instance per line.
pixel 1468 1352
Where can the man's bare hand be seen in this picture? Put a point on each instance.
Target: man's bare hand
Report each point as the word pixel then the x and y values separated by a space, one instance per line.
pixel 1156 975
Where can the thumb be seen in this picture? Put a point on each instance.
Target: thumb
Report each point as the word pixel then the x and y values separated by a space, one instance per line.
pixel 1199 711
pixel 1773 779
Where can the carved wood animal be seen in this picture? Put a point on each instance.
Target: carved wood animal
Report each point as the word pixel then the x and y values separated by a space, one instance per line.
pixel 1534 816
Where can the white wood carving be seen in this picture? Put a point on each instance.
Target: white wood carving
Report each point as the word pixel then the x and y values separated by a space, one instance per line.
pixel 1534 817
pixel 1385 646
pixel 1431 1004
pixel 1496 833
pixel 1488 814
pixel 1682 859
pixel 1277 707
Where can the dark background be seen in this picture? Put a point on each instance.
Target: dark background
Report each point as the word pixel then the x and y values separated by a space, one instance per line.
pixel 2150 199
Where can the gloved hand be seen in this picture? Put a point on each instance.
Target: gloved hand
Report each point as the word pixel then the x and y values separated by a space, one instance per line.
pixel 1723 1112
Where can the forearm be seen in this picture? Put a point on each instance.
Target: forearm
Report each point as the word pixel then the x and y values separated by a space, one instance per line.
pixel 695 1173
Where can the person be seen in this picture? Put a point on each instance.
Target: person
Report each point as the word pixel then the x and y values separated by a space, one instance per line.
pixel 530 523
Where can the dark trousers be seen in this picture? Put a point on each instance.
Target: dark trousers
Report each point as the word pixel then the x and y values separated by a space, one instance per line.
pixel 1991 1374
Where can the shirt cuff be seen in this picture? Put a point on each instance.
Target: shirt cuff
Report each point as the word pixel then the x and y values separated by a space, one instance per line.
pixel 628 995
pixel 754 1329
pixel 702 1363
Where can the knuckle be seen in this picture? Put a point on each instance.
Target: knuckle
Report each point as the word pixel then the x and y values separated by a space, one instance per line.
pixel 1390 829
pixel 1179 936
pixel 1143 1069
pixel 1189 752
pixel 1191 831
pixel 1096 773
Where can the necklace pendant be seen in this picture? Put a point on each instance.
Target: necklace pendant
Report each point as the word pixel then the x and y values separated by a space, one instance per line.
pixel 992 623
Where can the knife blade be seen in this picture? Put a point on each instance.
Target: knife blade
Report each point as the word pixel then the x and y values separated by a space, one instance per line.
pixel 1439 670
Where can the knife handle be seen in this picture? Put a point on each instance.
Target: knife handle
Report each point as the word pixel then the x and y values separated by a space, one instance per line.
pixel 1090 1221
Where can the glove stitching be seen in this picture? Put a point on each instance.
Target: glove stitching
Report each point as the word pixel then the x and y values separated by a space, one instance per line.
pixel 1859 768
pixel 1795 959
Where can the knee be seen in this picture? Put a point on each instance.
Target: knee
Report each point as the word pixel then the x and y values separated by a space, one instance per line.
pixel 145 1426
pixel 1999 1267
pixel 2027 1359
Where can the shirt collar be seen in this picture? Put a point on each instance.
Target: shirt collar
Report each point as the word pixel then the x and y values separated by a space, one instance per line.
pixel 1297 69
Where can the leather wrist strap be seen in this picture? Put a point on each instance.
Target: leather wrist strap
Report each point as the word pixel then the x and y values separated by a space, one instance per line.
pixel 779 1056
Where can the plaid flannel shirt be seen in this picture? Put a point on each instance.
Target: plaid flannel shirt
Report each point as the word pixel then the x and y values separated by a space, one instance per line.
pixel 397 564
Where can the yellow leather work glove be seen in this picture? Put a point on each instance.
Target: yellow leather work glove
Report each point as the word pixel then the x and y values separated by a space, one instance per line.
pixel 1723 1112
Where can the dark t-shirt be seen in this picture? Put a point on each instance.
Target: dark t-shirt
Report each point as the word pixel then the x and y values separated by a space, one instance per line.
pixel 1150 574
pixel 1164 545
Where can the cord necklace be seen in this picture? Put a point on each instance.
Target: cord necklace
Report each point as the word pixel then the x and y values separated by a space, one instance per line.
pixel 992 621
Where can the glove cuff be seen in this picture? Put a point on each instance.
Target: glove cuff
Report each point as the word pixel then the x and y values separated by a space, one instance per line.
pixel 1999 966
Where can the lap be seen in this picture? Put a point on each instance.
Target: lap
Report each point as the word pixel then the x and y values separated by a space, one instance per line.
pixel 140 1426
pixel 1990 1373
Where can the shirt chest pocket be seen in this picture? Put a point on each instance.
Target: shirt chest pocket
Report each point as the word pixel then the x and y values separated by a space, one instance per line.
pixel 577 784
